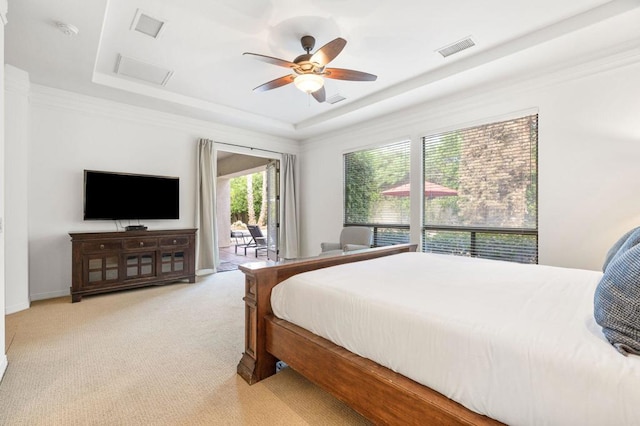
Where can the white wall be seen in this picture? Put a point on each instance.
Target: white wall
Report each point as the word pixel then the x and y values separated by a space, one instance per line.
pixel 589 143
pixel 3 21
pixel 70 133
pixel 16 173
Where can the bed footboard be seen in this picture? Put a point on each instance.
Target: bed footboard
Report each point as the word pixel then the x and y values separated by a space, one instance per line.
pixel 260 277
pixel 379 394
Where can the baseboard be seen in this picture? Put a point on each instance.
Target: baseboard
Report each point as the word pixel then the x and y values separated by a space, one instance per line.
pixel 16 308
pixel 3 365
pixel 50 295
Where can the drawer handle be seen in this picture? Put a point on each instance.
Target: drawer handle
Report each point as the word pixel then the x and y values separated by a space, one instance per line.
pixel 101 246
pixel 141 244
pixel 175 242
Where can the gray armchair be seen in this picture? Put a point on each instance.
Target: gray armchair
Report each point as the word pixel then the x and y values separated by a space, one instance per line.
pixel 351 238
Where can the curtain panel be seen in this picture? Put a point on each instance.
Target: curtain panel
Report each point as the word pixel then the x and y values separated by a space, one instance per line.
pixel 207 255
pixel 289 248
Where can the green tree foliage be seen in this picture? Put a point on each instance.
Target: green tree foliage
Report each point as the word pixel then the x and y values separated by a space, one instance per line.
pixel 368 174
pixel 239 207
pixel 442 161
pixel 359 187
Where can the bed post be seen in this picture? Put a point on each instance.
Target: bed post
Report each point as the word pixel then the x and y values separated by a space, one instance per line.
pixel 256 363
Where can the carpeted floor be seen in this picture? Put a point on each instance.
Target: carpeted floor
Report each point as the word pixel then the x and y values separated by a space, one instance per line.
pixel 155 356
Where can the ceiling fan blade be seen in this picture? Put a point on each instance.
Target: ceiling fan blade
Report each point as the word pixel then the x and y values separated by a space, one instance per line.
pixel 320 95
pixel 274 84
pixel 271 60
pixel 343 74
pixel 328 52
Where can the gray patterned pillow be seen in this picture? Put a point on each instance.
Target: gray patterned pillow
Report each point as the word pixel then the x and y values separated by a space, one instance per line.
pixel 614 249
pixel 617 298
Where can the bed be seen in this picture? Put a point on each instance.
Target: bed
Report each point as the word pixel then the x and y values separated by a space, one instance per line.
pixel 518 346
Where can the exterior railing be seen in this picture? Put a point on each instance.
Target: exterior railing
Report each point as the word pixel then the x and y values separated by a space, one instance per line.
pixel 510 244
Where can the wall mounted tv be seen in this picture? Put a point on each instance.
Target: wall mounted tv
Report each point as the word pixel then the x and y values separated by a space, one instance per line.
pixel 117 196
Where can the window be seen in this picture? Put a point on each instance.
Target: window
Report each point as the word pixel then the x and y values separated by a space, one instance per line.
pixel 481 192
pixel 376 191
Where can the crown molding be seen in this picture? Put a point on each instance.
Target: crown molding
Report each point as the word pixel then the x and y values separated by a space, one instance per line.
pixel 190 102
pixel 16 80
pixel 4 6
pixel 474 99
pixel 524 42
pixel 58 99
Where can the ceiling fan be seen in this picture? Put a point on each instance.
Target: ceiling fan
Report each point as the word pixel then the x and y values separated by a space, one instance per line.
pixel 309 69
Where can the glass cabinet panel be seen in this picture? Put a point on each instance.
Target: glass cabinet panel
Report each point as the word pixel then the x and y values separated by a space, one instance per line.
pixel 146 264
pixel 140 265
pixel 95 276
pixel 95 263
pixel 172 262
pixel 102 268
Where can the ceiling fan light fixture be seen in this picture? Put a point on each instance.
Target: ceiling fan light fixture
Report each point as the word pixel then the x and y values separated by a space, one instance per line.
pixel 308 83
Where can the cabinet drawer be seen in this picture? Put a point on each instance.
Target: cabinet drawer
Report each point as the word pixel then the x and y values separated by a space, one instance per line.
pixel 178 240
pixel 133 243
pixel 101 246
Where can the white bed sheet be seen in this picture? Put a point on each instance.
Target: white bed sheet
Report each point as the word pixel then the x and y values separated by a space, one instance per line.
pixel 515 342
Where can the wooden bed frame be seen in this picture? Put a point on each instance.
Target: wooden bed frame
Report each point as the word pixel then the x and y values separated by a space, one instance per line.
pixel 381 395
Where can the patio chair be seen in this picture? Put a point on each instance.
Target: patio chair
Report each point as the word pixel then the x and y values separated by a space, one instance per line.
pixel 258 241
pixel 351 238
pixel 241 240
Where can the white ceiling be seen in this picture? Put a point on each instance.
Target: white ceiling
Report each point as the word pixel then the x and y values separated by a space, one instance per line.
pixel 203 41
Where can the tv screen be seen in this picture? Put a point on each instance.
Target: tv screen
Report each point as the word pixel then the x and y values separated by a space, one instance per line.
pixel 113 196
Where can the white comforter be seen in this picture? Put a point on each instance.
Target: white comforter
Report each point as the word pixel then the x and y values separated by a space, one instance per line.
pixel 515 342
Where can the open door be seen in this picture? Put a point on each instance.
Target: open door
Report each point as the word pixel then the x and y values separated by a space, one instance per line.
pixel 273 209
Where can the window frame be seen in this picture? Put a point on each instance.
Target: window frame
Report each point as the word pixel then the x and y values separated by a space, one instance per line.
pixel 473 231
pixel 404 229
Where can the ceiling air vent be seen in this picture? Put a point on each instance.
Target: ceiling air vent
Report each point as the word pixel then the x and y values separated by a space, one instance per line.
pixel 146 24
pixel 142 71
pixel 335 99
pixel 456 47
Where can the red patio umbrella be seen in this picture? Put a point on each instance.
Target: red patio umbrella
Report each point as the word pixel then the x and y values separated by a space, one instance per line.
pixel 431 190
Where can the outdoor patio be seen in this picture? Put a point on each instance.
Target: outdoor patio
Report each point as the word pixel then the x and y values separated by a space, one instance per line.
pixel 229 260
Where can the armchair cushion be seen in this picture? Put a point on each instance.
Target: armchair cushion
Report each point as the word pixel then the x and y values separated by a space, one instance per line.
pixel 351 238
pixel 330 246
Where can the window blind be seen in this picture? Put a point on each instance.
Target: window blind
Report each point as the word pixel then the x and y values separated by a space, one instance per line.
pixel 481 195
pixel 376 191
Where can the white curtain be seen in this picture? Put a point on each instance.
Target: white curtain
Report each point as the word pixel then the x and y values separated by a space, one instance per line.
pixel 207 256
pixel 289 247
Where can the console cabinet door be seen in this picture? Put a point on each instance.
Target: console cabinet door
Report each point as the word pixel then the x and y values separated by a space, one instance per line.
pixel 101 269
pixel 173 262
pixel 174 255
pixel 140 265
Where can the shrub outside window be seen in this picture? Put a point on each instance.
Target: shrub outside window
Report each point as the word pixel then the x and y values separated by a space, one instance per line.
pixel 370 177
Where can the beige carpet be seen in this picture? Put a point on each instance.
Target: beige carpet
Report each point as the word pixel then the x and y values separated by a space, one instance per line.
pixel 154 356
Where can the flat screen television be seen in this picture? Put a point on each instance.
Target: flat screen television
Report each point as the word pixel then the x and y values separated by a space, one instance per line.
pixel 117 196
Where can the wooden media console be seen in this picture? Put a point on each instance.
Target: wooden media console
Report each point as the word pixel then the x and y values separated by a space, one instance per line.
pixel 109 261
